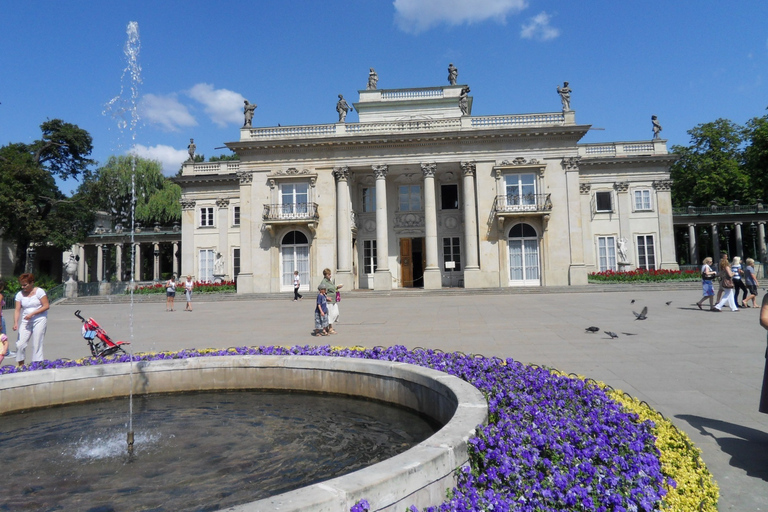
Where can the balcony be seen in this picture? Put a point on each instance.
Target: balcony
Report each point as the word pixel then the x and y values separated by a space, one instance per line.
pixel 305 214
pixel 525 205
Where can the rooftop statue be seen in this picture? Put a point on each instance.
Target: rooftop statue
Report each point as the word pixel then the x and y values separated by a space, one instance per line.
pixel 464 101
pixel 342 107
pixel 656 127
pixel 191 150
pixel 565 96
pixel 453 73
pixel 373 79
pixel 248 110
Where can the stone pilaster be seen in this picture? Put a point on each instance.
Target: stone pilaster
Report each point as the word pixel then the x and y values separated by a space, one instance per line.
pixel 245 280
pixel 343 228
pixel 382 279
pixel 471 242
pixel 432 277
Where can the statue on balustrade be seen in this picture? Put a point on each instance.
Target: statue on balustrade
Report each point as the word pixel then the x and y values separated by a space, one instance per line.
pixel 191 150
pixel 565 96
pixel 248 110
pixel 373 79
pixel 453 74
pixel 656 127
pixel 464 101
pixel 342 107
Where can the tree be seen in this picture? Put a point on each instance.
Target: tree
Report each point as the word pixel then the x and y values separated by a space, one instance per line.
pixel 32 208
pixel 756 156
pixel 112 187
pixel 711 169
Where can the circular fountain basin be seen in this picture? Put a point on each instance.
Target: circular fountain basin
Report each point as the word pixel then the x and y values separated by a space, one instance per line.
pixel 419 476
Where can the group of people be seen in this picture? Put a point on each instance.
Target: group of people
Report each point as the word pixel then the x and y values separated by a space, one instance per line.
pixel 170 293
pixel 732 277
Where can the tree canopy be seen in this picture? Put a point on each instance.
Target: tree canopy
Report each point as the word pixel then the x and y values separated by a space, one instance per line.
pixel 32 208
pixel 723 163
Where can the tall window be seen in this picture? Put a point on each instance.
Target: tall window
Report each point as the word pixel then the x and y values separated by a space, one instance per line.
pixel 294 255
pixel 236 261
pixel 206 216
pixel 206 264
pixel 646 256
pixel 369 256
pixel 606 253
pixel 236 216
pixel 452 252
pixel 293 199
pixel 523 255
pixel 603 202
pixel 642 199
pixel 520 189
pixel 369 199
pixel 410 198
pixel 449 197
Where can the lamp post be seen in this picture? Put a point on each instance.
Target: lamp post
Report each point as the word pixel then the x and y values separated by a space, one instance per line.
pixel 753 230
pixel 31 259
pixel 727 232
pixel 105 262
pixel 157 263
pixel 687 237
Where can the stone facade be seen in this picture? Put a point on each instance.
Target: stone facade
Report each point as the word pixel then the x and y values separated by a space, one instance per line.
pixel 417 194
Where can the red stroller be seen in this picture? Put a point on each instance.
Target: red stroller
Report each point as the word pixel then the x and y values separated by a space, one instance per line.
pixel 98 340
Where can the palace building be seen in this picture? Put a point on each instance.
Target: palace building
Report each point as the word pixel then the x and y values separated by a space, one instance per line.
pixel 420 193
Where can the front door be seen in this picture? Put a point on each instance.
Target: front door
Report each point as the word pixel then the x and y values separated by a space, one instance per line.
pixel 412 262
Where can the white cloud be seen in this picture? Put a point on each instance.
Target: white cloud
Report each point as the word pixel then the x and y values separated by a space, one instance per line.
pixel 416 16
pixel 170 158
pixel 539 28
pixel 165 111
pixel 222 105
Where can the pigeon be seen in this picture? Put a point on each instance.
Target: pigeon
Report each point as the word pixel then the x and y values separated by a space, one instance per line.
pixel 632 301
pixel 592 329
pixel 642 315
pixel 611 334
pixel 668 302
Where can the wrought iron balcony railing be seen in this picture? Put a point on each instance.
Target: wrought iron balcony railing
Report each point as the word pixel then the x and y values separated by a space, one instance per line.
pixel 522 203
pixel 291 212
pixel 714 209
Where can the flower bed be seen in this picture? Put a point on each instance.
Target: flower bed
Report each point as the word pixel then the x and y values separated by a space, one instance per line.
pixel 200 287
pixel 553 442
pixel 643 276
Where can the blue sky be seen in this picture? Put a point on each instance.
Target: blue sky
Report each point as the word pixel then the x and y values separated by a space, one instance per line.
pixel 688 62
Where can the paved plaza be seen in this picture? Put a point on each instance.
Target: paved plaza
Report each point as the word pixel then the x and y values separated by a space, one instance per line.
pixel 702 370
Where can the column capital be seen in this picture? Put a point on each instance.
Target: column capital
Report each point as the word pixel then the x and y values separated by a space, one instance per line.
pixel 380 171
pixel 245 177
pixel 621 186
pixel 584 188
pixel 663 185
pixel 468 168
pixel 222 203
pixel 571 163
pixel 341 173
pixel 428 168
pixel 738 223
pixel 187 204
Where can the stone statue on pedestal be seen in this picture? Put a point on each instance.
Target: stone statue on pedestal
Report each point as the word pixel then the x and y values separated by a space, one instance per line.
pixel 71 267
pixel 656 127
pixel 191 150
pixel 621 244
pixel 248 110
pixel 342 107
pixel 464 101
pixel 565 96
pixel 218 265
pixel 373 79
pixel 453 74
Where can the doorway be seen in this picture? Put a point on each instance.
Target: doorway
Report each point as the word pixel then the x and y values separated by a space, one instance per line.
pixel 412 262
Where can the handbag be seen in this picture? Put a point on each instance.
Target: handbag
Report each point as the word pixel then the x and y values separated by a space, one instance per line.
pixel 727 282
pixel 338 297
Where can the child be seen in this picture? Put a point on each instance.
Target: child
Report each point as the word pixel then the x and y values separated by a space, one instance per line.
pixel 321 313
pixel 296 285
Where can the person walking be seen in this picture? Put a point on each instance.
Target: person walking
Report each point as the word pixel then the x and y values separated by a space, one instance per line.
pixel 726 279
pixel 738 282
pixel 333 296
pixel 750 279
pixel 170 293
pixel 32 310
pixel 707 274
pixel 188 285
pixel 321 312
pixel 296 286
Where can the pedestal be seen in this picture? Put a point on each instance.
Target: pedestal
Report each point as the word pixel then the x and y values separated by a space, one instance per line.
pixel 382 280
pixel 433 280
pixel 70 289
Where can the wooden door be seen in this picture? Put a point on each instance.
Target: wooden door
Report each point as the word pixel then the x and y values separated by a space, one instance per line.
pixel 406 263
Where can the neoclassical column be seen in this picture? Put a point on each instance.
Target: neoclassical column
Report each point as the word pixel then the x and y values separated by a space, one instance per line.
pixel 470 220
pixel 739 241
pixel 245 279
pixel 577 273
pixel 693 247
pixel 343 227
pixel 99 263
pixel 715 242
pixel 175 259
pixel 156 261
pixel 222 226
pixel 137 261
pixel 761 241
pixel 382 279
pixel 81 263
pixel 119 261
pixel 432 276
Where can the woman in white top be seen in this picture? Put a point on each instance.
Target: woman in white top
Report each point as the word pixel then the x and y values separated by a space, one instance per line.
pixel 32 309
pixel 188 285
pixel 170 293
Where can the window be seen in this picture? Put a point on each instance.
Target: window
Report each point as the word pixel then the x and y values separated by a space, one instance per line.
pixel 206 216
pixel 369 199
pixel 646 257
pixel 294 253
pixel 452 252
pixel 369 256
pixel 603 202
pixel 523 246
pixel 449 197
pixel 410 198
pixel 520 189
pixel 206 264
pixel 293 199
pixel 236 261
pixel 606 253
pixel 642 199
pixel 236 216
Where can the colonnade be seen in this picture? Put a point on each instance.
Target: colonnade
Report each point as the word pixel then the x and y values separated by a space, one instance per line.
pixel 714 235
pixel 105 272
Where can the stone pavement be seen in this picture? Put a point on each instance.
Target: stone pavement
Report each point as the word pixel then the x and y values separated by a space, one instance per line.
pixel 702 370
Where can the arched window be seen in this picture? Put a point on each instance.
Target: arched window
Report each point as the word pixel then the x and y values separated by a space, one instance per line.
pixel 523 245
pixel 294 255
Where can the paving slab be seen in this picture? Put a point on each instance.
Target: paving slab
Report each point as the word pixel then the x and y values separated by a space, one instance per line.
pixel 702 370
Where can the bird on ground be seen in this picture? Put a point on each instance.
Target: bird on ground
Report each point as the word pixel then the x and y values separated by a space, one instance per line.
pixel 592 329
pixel 632 301
pixel 668 302
pixel 611 334
pixel 642 315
